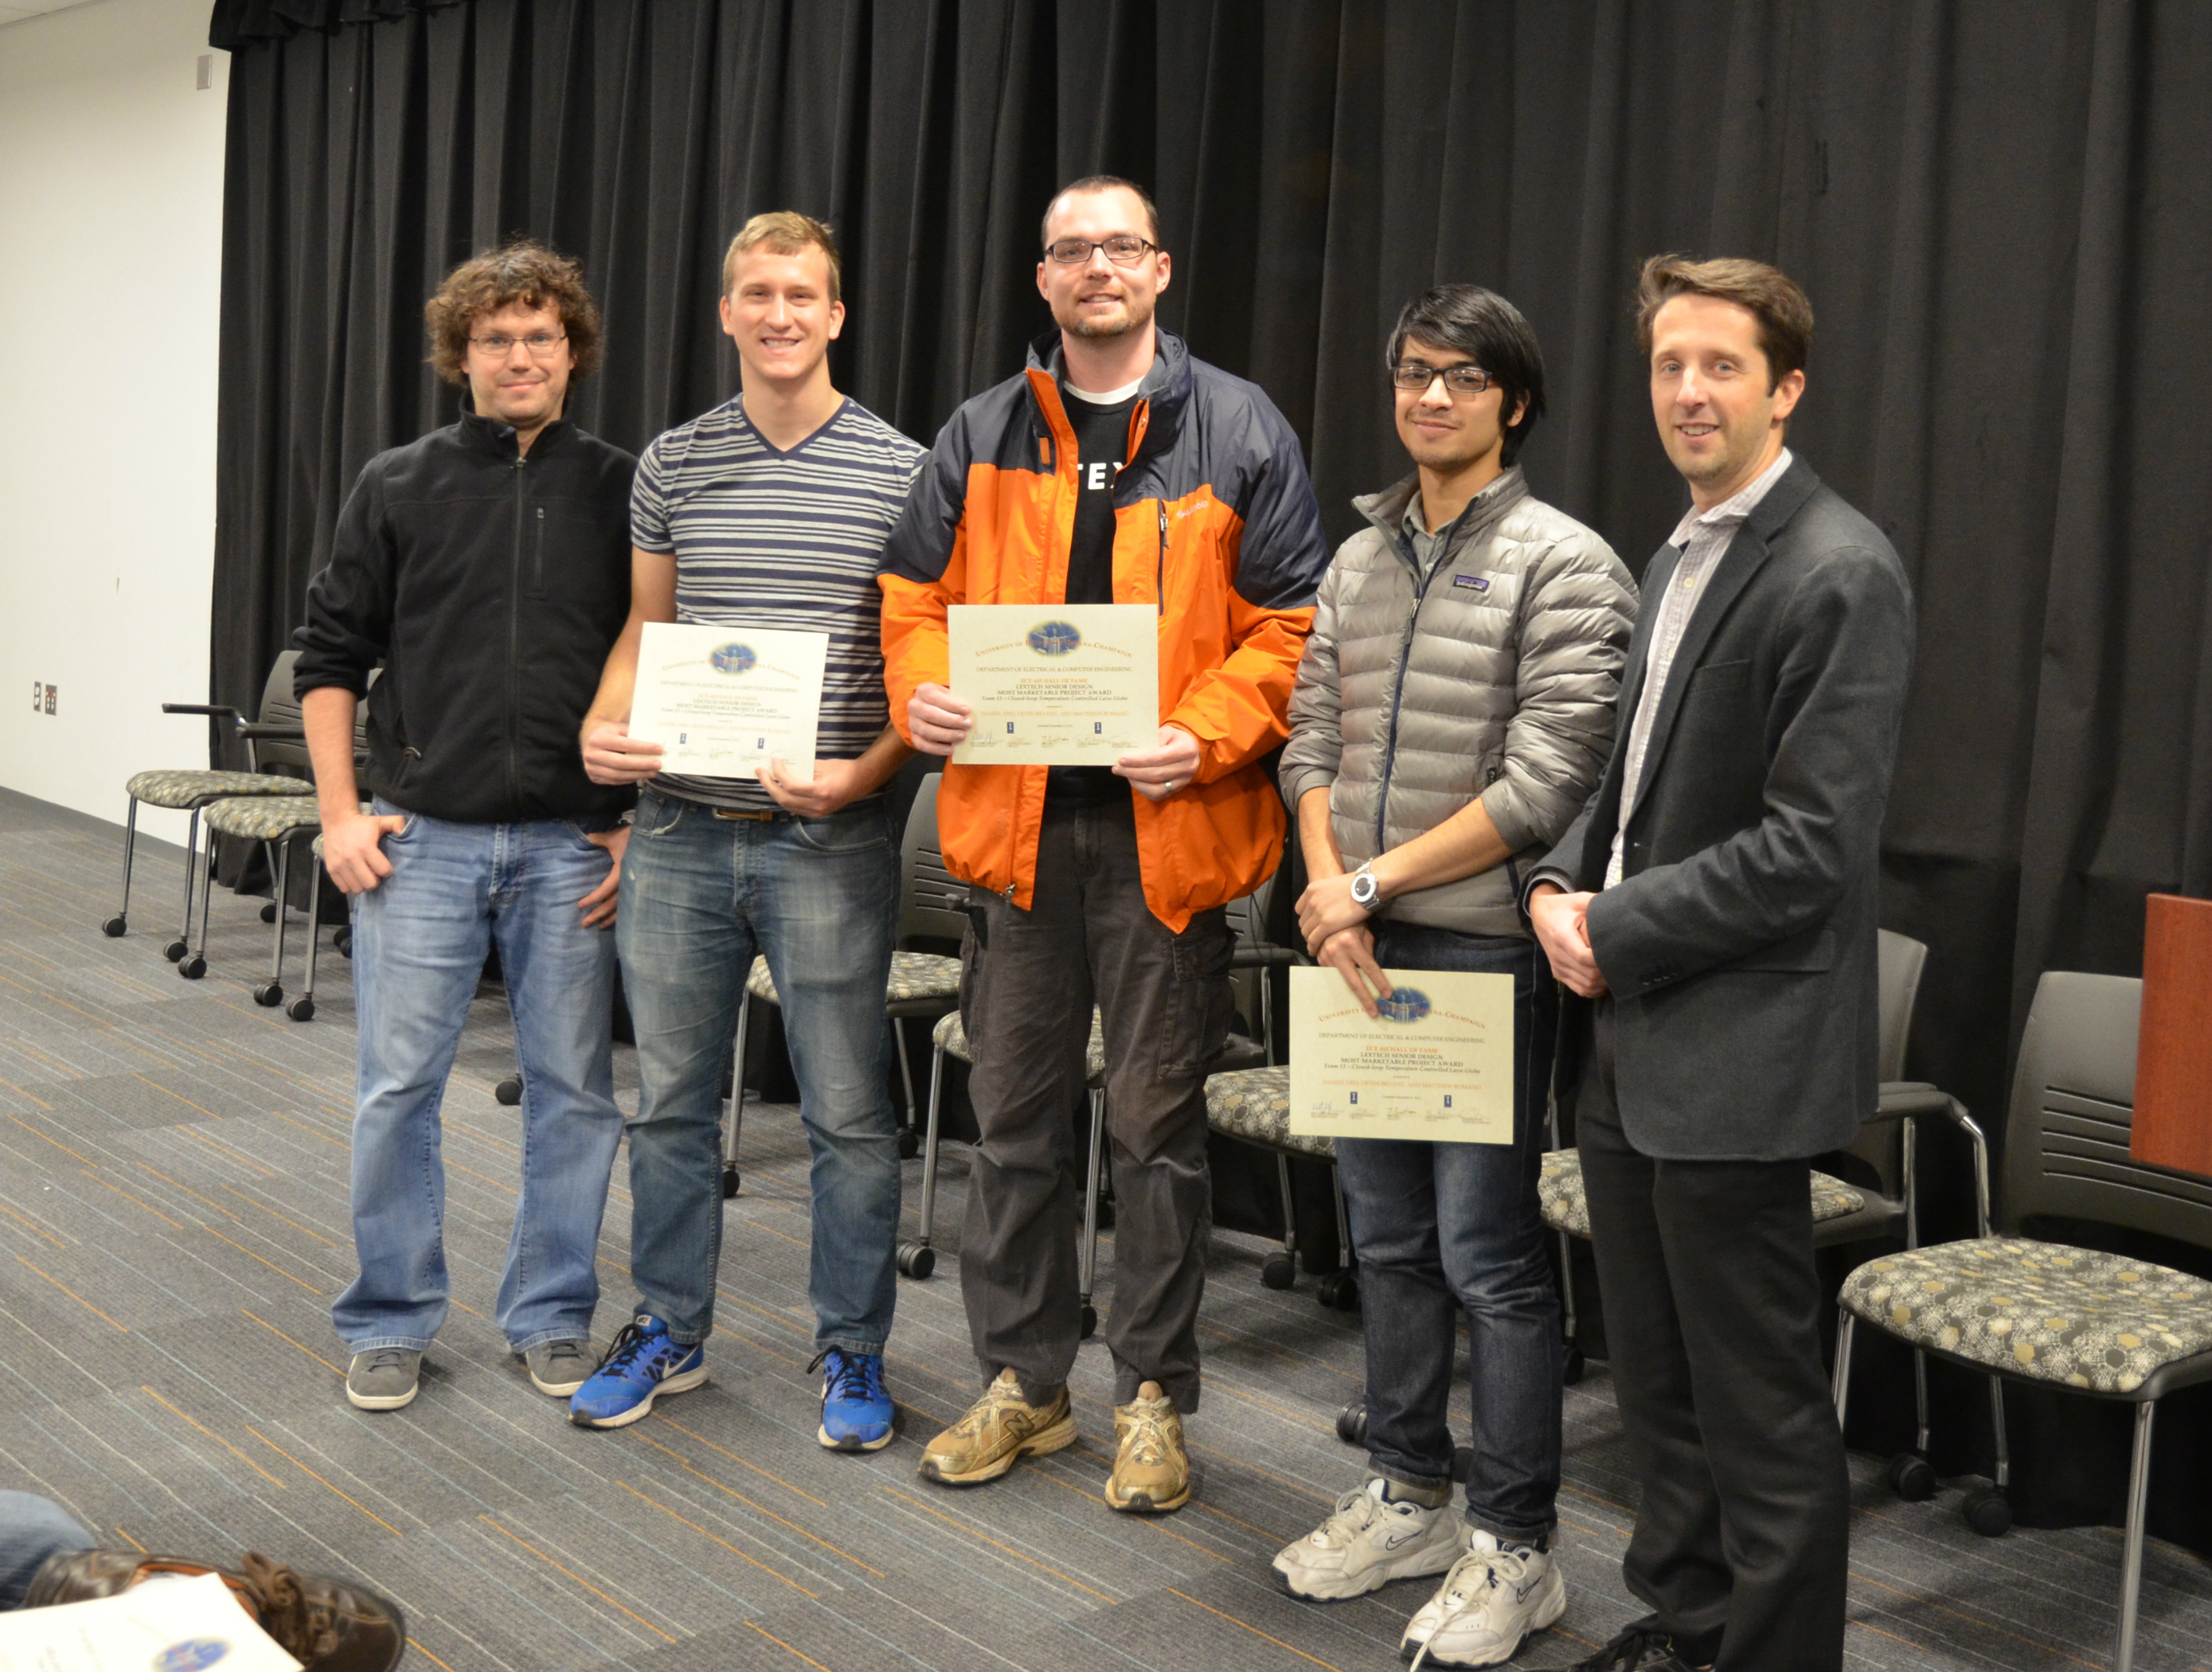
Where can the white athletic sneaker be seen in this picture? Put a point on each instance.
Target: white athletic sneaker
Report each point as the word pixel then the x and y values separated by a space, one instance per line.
pixel 1487 1606
pixel 1366 1542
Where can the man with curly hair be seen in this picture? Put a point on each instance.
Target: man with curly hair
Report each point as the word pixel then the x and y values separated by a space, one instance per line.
pixel 486 567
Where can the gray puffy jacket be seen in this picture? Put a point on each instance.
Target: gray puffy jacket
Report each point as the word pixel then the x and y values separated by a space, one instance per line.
pixel 1493 674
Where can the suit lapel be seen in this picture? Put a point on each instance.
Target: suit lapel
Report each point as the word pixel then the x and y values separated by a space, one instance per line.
pixel 1746 552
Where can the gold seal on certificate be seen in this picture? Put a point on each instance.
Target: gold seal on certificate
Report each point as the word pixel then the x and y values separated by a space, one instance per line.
pixel 1437 1064
pixel 722 701
pixel 1055 684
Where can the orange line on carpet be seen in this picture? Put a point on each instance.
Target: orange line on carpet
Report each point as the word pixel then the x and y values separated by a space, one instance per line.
pixel 1147 1521
pixel 238 1155
pixel 179 1096
pixel 220 1441
pixel 20 1092
pixel 35 1133
pixel 721 1487
pixel 71 1293
pixel 1042 1567
pixel 312 1133
pixel 781 1644
pixel 272 1264
pixel 274 1214
pixel 132 1542
pixel 187 1190
pixel 127 1196
pixel 672 1423
pixel 303 1346
pixel 587 1583
pixel 1250 1628
pixel 32 1224
pixel 425 1653
pixel 724 1543
pixel 304 1469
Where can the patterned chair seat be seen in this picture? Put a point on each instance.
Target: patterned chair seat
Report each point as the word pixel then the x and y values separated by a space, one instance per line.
pixel 265 817
pixel 1255 1104
pixel 2041 1310
pixel 185 789
pixel 916 978
pixel 949 1036
pixel 1560 1192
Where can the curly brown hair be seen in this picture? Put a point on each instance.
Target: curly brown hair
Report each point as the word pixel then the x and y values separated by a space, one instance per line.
pixel 524 272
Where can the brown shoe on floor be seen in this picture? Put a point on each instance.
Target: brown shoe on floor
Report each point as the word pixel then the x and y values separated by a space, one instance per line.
pixel 1152 1471
pixel 1000 1429
pixel 328 1624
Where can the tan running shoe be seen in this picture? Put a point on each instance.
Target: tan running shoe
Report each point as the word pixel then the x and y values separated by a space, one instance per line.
pixel 1152 1471
pixel 1000 1429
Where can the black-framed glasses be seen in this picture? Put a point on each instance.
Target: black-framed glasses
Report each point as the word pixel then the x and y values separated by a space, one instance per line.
pixel 1124 249
pixel 1417 375
pixel 541 344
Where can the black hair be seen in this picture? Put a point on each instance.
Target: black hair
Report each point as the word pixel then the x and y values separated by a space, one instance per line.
pixel 1490 332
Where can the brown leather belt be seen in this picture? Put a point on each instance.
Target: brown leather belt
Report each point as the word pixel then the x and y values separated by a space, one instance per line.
pixel 739 812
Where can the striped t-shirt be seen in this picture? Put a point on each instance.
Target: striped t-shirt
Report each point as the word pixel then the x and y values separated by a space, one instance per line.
pixel 786 540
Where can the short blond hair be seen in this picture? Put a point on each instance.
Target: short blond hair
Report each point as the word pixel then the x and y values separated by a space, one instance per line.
pixel 784 232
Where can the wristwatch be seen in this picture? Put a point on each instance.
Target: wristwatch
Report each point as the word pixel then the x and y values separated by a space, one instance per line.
pixel 1367 892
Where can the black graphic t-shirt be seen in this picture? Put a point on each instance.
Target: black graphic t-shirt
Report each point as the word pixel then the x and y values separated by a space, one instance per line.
pixel 1101 447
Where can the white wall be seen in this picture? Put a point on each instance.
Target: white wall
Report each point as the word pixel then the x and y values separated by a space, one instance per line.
pixel 111 225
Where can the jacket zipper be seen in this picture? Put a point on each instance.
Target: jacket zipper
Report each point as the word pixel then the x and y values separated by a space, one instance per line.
pixel 537 553
pixel 1398 690
pixel 1160 581
pixel 514 642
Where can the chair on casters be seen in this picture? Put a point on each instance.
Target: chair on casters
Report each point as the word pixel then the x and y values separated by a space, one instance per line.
pixel 1842 1213
pixel 191 791
pixel 923 985
pixel 277 822
pixel 2101 1325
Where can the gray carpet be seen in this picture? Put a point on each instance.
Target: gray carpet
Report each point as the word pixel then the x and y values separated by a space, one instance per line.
pixel 172 1228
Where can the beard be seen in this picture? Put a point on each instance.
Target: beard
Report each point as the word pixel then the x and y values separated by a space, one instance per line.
pixel 1135 315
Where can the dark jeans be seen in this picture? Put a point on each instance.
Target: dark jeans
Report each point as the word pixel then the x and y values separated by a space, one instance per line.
pixel 1028 981
pixel 1442 1229
pixel 32 1529
pixel 1712 1313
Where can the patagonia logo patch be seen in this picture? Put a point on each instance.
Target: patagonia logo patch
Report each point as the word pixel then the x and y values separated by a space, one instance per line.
pixel 1479 583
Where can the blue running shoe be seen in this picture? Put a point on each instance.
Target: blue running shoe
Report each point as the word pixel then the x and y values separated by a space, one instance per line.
pixel 642 1364
pixel 856 1412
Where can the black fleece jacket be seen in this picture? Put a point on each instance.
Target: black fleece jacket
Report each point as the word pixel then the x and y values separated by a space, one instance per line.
pixel 491 586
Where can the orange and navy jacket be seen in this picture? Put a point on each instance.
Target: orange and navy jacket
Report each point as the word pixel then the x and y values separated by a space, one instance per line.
pixel 1214 522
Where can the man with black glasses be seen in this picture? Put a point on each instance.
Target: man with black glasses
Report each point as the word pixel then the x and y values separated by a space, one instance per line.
pixel 1115 469
pixel 1426 763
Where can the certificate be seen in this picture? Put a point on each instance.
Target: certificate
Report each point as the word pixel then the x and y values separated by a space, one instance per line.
pixel 166 1625
pixel 1055 684
pixel 724 699
pixel 1437 1064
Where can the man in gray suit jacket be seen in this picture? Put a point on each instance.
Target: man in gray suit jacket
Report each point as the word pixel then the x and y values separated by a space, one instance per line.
pixel 1715 904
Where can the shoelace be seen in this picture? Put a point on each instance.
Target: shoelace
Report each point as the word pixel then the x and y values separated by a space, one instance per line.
pixel 985 1410
pixel 633 1349
pixel 387 1357
pixel 304 1630
pixel 1355 1512
pixel 850 1376
pixel 1459 1595
pixel 1145 1440
pixel 1631 1648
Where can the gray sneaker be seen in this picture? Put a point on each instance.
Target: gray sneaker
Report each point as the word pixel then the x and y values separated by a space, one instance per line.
pixel 560 1368
pixel 384 1378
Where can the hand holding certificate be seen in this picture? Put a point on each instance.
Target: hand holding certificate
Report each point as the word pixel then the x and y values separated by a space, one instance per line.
pixel 724 701
pixel 1055 684
pixel 1436 1064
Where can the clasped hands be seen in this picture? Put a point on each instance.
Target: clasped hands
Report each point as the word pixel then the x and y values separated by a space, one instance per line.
pixel 937 720
pixel 612 756
pixel 1561 921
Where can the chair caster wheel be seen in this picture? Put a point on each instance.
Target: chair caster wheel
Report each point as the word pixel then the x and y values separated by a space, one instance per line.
pixel 1462 1463
pixel 192 968
pixel 1090 1320
pixel 268 995
pixel 1571 1373
pixel 114 928
pixel 1352 1421
pixel 269 912
pixel 341 943
pixel 1910 1477
pixel 729 1182
pixel 1278 1271
pixel 174 950
pixel 1340 1291
pixel 916 1260
pixel 1988 1512
pixel 910 1143
pixel 300 1010
pixel 509 1091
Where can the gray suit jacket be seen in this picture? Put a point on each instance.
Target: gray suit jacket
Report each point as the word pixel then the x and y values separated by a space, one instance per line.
pixel 1739 944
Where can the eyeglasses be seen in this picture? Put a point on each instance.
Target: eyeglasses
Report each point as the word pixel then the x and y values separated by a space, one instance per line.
pixel 1123 250
pixel 541 344
pixel 1459 380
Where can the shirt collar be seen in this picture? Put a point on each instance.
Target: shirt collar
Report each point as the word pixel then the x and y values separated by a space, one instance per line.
pixel 1416 525
pixel 1732 512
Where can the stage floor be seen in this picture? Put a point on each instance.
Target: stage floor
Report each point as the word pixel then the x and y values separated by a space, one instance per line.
pixel 174 1218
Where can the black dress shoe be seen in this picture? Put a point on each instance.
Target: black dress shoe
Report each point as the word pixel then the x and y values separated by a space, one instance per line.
pixel 1641 1647
pixel 327 1625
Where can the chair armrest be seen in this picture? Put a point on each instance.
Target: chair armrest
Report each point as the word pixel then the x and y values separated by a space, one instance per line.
pixel 256 729
pixel 1253 957
pixel 212 710
pixel 1908 1100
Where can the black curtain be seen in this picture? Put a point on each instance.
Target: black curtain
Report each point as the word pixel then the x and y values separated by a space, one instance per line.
pixel 2002 213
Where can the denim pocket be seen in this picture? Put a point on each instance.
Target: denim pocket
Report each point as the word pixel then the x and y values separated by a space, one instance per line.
pixel 1198 997
pixel 657 815
pixel 848 830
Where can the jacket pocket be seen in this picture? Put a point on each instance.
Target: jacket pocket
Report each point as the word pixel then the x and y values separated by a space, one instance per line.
pixel 1199 999
pixel 1719 677
pixel 1810 950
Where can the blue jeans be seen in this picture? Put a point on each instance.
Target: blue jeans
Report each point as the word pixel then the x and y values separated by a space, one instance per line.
pixel 32 1529
pixel 818 898
pixel 1443 1229
pixel 419 942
